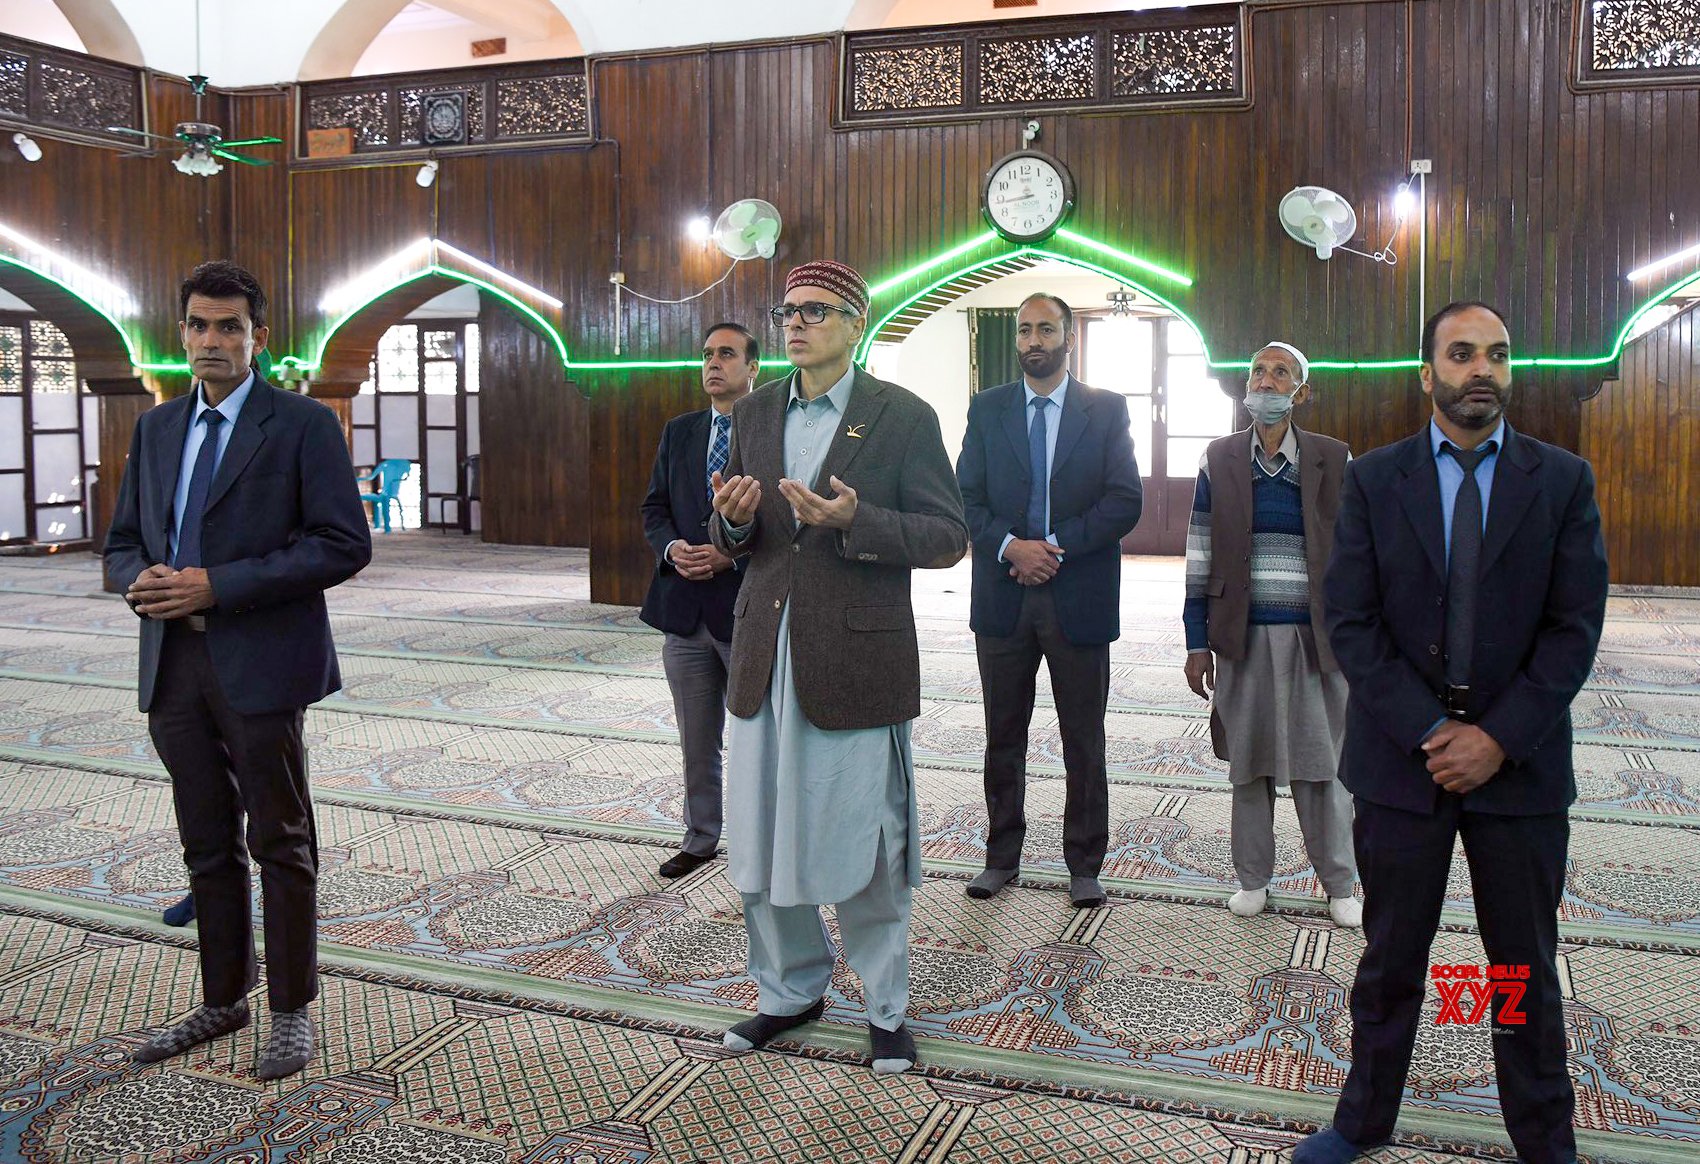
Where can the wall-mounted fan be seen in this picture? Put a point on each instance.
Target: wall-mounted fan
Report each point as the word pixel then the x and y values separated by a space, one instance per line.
pixel 747 228
pixel 204 142
pixel 1319 218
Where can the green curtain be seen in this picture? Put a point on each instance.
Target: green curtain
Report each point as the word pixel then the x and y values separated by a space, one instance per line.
pixel 991 338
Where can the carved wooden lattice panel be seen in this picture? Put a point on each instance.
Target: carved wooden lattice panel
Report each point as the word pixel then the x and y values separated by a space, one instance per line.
pixel 1124 61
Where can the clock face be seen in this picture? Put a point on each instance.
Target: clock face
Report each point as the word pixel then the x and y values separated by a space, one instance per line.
pixel 1027 196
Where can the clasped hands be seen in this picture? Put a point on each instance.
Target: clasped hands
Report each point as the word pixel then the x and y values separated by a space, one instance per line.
pixel 697 563
pixel 1462 757
pixel 161 592
pixel 1032 562
pixel 737 498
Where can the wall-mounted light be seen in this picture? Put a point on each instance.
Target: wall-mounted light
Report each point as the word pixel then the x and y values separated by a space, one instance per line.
pixel 699 228
pixel 427 173
pixel 27 146
pixel 1404 202
pixel 1660 264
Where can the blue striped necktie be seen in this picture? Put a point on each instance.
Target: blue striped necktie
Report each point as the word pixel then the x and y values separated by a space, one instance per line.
pixel 719 449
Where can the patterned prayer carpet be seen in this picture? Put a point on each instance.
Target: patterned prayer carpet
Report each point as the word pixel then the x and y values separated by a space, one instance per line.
pixel 507 980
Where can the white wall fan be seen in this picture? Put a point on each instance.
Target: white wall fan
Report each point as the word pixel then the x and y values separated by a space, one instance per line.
pixel 1324 221
pixel 746 229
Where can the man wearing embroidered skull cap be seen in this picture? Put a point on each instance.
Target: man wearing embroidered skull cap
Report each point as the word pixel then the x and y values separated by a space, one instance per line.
pixel 1261 531
pixel 836 487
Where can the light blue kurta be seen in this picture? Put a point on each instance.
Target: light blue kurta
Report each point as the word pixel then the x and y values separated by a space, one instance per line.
pixel 808 810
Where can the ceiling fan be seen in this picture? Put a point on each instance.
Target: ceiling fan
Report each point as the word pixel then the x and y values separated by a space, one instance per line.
pixel 204 141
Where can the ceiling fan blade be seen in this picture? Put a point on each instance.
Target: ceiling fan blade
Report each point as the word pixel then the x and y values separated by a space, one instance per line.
pixel 128 132
pixel 248 141
pixel 224 153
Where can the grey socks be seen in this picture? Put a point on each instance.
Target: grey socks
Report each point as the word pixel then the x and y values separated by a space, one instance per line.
pixel 989 882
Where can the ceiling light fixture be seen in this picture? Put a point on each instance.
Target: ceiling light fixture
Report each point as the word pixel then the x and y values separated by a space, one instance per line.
pixel 27 146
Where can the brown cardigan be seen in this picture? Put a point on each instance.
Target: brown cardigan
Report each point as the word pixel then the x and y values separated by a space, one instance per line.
pixel 1322 466
pixel 854 659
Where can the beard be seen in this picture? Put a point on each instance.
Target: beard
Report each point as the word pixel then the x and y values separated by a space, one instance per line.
pixel 1043 362
pixel 1455 404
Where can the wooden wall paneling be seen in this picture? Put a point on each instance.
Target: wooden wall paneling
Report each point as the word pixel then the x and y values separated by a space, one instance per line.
pixel 627 412
pixel 1642 434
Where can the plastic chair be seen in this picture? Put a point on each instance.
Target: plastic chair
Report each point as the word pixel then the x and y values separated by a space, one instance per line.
pixel 388 476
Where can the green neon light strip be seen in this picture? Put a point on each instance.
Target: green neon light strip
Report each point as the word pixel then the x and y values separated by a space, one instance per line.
pixel 932 263
pixel 525 309
pixel 129 344
pixel 1040 252
pixel 904 276
pixel 1125 257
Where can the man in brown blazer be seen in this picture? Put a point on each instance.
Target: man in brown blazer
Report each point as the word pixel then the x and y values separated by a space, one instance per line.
pixel 838 485
pixel 1261 530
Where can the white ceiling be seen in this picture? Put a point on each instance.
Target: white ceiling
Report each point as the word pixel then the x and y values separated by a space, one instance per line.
pixel 246 43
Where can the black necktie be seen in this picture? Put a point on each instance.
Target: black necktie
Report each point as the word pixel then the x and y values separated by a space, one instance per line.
pixel 1463 564
pixel 200 484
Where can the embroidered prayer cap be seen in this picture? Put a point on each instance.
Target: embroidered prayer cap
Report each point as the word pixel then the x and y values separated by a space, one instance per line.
pixel 841 280
pixel 1304 364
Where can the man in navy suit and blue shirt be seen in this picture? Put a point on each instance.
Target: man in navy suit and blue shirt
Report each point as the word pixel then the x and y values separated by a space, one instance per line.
pixel 1050 487
pixel 238 510
pixel 1465 599
pixel 690 598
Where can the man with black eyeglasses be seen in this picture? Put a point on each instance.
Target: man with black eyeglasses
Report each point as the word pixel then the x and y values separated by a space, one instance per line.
pixel 837 487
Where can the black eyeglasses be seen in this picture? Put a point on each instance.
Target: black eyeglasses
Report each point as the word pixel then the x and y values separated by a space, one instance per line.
pixel 811 313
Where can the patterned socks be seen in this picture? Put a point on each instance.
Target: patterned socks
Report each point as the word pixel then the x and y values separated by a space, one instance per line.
pixel 204 1024
pixel 290 1045
pixel 753 1034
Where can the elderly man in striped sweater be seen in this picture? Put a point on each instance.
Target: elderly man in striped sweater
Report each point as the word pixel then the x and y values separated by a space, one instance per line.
pixel 1257 545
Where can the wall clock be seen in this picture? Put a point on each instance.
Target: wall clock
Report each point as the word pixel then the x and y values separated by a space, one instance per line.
pixel 1027 196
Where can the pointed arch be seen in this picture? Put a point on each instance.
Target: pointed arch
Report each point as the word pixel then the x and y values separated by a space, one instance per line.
pixel 911 311
pixel 106 356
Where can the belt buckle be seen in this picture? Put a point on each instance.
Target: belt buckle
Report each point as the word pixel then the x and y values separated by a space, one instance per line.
pixel 1457 701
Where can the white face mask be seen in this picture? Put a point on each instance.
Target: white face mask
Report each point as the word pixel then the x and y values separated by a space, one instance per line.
pixel 1268 407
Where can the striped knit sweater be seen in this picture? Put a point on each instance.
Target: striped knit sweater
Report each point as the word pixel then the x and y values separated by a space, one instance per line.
pixel 1280 573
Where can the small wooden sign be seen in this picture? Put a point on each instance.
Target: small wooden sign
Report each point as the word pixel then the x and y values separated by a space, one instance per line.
pixel 330 143
pixel 494 47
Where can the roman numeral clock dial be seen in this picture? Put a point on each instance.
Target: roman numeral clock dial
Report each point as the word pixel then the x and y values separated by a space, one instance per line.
pixel 1027 196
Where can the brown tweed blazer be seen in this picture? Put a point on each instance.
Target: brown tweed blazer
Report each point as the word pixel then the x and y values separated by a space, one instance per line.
pixel 854 657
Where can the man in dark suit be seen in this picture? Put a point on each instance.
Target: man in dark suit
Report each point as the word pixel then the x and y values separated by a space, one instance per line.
pixel 1049 486
pixel 237 512
pixel 690 598
pixel 1465 599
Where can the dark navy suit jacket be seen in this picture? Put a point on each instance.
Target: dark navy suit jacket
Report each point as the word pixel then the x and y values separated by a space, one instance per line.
pixel 283 524
pixel 677 507
pixel 1095 500
pixel 1540 607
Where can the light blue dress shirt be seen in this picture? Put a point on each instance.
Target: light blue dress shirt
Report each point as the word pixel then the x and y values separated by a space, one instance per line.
pixel 1452 477
pixel 229 408
pixel 1053 423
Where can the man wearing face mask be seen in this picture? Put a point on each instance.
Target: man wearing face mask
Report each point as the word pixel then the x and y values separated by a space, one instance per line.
pixel 1261 531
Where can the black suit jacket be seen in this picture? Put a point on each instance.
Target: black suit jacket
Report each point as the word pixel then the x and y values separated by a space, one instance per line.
pixel 283 524
pixel 1095 500
pixel 677 507
pixel 1539 610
